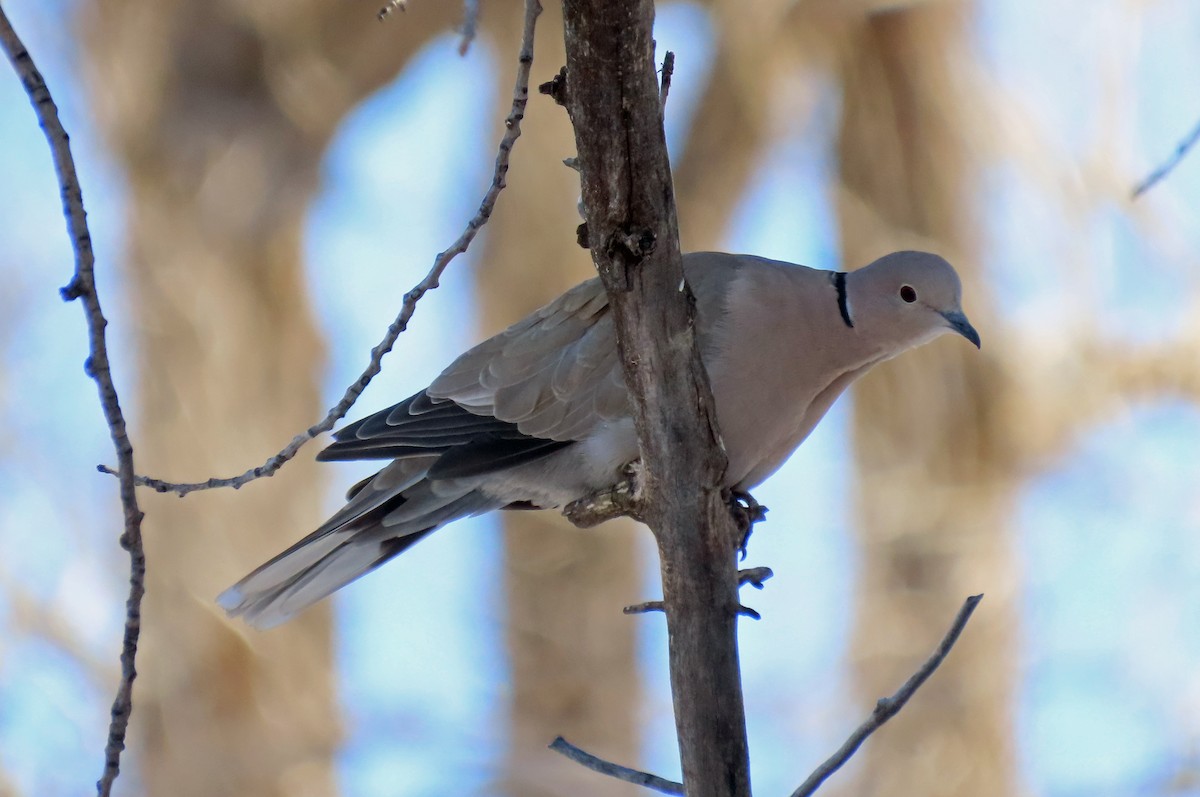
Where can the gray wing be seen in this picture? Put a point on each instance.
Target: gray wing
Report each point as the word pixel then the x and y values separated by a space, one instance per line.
pixel 546 381
pixel 517 397
pixel 554 375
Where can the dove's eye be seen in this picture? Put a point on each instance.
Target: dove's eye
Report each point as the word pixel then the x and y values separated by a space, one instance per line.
pixel 908 293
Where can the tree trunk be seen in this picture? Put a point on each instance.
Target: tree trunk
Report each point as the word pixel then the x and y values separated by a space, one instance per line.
pixel 219 114
pixel 934 492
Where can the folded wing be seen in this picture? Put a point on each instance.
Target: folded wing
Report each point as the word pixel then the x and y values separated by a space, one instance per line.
pixel 555 375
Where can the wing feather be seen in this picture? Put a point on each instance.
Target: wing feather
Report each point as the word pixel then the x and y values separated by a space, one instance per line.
pixel 426 430
pixel 555 374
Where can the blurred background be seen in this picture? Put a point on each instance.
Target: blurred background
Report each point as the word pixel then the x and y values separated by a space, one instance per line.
pixel 266 179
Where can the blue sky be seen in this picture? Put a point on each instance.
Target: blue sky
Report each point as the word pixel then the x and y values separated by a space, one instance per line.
pixel 1107 536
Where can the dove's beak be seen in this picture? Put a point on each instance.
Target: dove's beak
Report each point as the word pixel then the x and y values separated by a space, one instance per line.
pixel 959 323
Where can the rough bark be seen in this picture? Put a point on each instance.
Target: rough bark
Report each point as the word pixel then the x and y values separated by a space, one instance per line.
pixel 612 97
pixel 219 113
pixel 935 478
pixel 572 653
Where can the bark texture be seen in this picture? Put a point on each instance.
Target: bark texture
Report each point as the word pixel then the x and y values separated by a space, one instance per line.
pixel 219 113
pixel 611 94
pixel 935 475
pixel 572 652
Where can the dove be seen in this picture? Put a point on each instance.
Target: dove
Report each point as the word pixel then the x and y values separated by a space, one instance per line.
pixel 538 415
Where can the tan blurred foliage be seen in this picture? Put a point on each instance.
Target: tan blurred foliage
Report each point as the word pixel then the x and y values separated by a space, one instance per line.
pixel 219 114
pixel 945 437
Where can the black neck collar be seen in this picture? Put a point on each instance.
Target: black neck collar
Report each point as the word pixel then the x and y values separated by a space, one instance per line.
pixel 839 282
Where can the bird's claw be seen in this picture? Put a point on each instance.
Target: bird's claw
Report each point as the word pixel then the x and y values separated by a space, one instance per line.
pixel 746 512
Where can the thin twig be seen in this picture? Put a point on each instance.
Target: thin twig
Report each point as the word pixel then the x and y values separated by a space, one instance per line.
pixel 512 132
pixel 754 576
pixel 668 69
pixel 746 611
pixel 888 707
pixel 83 286
pixel 469 24
pixel 1162 171
pixel 634 776
pixel 645 607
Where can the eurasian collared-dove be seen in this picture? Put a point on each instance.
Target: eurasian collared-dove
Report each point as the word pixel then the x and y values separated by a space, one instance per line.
pixel 538 414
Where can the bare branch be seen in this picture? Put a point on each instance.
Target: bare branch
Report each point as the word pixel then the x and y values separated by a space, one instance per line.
pixel 1166 168
pixel 83 286
pixel 469 24
pixel 634 776
pixel 512 132
pixel 888 707
pixel 645 607
pixel 746 611
pixel 754 576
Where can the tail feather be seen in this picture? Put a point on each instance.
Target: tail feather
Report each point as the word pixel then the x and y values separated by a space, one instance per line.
pixel 271 605
pixel 335 555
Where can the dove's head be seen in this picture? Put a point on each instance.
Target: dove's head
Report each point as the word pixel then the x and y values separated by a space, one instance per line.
pixel 907 299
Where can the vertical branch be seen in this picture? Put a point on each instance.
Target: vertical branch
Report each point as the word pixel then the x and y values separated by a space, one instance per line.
pixel 612 96
pixel 83 286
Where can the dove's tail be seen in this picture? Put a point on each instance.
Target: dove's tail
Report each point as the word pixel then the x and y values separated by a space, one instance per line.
pixel 375 526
